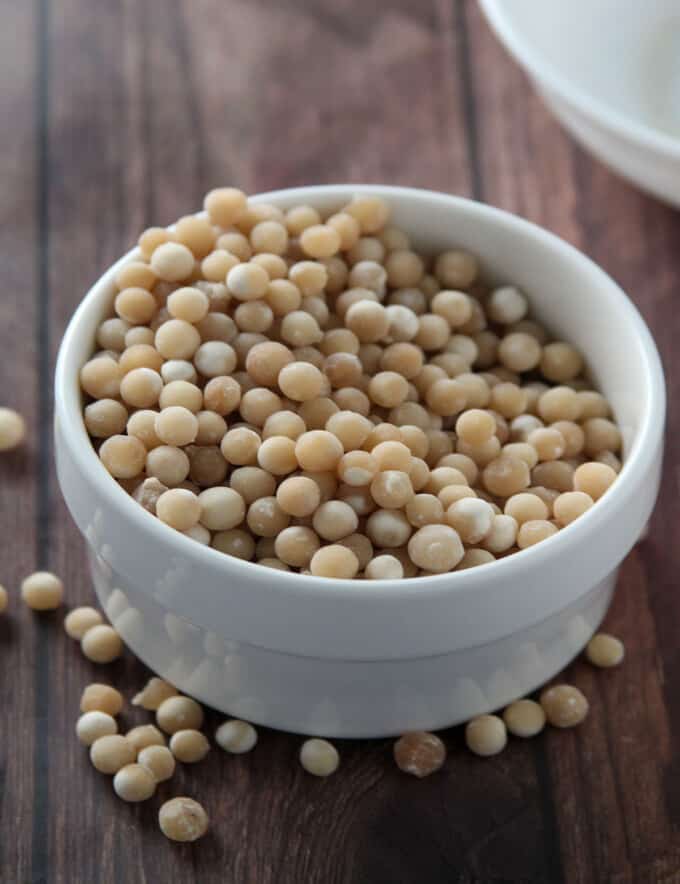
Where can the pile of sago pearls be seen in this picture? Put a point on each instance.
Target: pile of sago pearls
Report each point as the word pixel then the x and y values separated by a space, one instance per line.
pixel 312 394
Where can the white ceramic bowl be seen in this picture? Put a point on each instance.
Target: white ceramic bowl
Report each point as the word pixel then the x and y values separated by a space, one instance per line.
pixel 353 659
pixel 610 71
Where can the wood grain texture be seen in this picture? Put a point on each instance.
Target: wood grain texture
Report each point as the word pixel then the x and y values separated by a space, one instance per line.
pixel 121 114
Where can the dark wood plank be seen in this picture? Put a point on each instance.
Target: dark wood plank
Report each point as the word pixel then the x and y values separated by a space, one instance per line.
pixel 610 780
pixel 123 115
pixel 20 473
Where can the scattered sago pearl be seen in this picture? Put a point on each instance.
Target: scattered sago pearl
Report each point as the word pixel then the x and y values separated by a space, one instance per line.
pixel 419 753
pixel 183 819
pixel 334 561
pixel 110 753
pixel 189 746
pixel 145 735
pixel 179 713
pixel 12 429
pixel 236 737
pixel 486 735
pixel 101 644
pixel 101 698
pixel 605 650
pixel 79 620
pixel 42 591
pixel 319 757
pixel 154 693
pixel 524 718
pixel 564 705
pixel 159 761
pixel 93 725
pixel 134 782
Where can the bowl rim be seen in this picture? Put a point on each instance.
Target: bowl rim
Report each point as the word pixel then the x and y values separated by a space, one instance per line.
pixel 533 61
pixel 68 408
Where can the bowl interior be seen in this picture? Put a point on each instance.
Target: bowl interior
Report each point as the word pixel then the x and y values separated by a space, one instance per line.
pixel 622 53
pixel 570 294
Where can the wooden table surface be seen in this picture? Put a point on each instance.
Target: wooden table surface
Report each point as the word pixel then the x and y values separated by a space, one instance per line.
pixel 121 113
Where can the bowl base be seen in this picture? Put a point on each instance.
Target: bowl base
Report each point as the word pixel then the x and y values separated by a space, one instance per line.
pixel 345 698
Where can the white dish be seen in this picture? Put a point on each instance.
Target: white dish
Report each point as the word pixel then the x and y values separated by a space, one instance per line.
pixel 610 71
pixel 361 658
